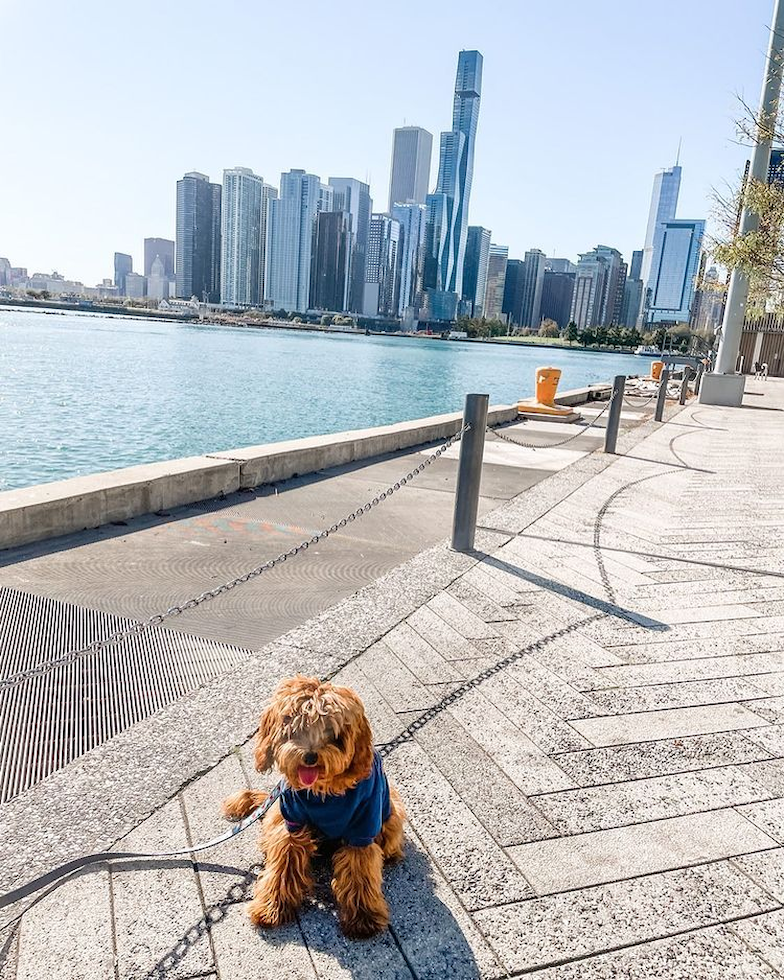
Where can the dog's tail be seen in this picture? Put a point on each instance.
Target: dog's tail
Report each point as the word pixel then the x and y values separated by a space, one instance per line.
pixel 242 804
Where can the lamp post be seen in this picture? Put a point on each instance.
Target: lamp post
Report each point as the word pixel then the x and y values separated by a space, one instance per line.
pixel 723 386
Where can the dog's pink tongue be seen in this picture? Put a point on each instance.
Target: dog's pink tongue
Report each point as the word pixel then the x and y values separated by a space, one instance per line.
pixel 307 775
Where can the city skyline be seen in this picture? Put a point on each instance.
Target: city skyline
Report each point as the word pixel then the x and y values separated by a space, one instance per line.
pixel 546 206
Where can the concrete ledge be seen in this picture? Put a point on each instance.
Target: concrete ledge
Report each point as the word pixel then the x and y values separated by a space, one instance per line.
pixel 579 396
pixel 722 389
pixel 49 510
pixel 281 460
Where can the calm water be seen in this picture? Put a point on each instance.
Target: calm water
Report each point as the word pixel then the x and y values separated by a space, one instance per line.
pixel 83 393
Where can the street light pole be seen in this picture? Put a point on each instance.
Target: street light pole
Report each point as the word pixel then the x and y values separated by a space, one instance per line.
pixel 724 386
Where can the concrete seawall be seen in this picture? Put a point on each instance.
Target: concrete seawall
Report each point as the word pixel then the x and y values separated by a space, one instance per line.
pixel 49 510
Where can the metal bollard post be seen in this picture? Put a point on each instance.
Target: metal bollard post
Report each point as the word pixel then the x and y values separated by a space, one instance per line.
pixel 698 379
pixel 469 473
pixel 662 397
pixel 614 413
pixel 684 386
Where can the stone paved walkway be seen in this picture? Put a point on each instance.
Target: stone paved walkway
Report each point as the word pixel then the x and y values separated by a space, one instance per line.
pixel 597 789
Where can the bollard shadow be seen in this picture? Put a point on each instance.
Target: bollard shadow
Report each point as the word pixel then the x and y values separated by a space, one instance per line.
pixel 577 595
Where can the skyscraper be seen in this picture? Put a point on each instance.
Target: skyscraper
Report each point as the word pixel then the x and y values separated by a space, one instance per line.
pixel 496 281
pixel 162 248
pixel 557 292
pixel 598 288
pixel 560 265
pixel 290 233
pixel 158 281
pixel 513 291
pixel 675 276
pixel 241 237
pixel 330 261
pixel 198 247
pixel 411 217
pixel 533 281
pixel 268 193
pixel 664 201
pixel 353 197
pixel 412 149
pixel 448 206
pixel 123 265
pixel 477 256
pixel 632 292
pixel 382 268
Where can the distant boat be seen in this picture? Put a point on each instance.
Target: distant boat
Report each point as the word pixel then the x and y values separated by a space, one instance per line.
pixel 648 349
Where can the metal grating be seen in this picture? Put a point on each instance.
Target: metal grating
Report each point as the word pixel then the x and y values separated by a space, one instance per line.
pixel 50 720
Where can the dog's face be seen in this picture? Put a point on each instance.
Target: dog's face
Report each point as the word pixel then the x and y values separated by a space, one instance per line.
pixel 317 735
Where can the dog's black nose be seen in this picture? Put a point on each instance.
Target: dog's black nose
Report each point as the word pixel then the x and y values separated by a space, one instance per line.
pixel 310 758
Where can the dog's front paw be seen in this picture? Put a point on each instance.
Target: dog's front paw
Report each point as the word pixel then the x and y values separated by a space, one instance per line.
pixel 242 804
pixel 364 922
pixel 269 912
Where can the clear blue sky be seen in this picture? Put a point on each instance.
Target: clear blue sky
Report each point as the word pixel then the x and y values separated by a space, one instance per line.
pixel 105 105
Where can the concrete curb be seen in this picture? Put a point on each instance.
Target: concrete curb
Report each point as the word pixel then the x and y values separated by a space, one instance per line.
pixel 50 510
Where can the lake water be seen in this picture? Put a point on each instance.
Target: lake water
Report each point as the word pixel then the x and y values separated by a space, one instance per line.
pixel 84 393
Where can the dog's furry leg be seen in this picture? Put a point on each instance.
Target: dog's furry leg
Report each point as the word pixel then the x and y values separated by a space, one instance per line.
pixel 390 840
pixel 242 804
pixel 362 908
pixel 286 878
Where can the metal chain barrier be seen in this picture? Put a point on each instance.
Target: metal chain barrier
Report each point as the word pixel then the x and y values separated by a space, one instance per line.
pixel 495 431
pixel 97 645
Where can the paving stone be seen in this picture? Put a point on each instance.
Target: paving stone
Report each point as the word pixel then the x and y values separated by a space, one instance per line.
pixel 386 724
pixel 616 805
pixel 546 930
pixel 766 868
pixel 473 864
pixel 401 689
pixel 664 650
pixel 770 738
pixel 706 614
pixel 491 795
pixel 609 855
pixel 245 953
pixel 765 935
pixel 522 760
pixel 619 763
pixel 156 905
pixel 68 935
pixel 8 954
pixel 770 684
pixel 771 709
pixel 769 773
pixel 709 954
pixel 422 659
pixel 223 867
pixel 768 816
pixel 459 617
pixel 653 697
pixel 437 936
pixel 491 586
pixel 668 723
pixel 629 675
pixel 559 696
pixel 447 641
pixel 482 605
pixel 535 719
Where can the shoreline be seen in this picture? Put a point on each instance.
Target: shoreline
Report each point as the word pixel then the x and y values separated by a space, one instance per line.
pixel 139 313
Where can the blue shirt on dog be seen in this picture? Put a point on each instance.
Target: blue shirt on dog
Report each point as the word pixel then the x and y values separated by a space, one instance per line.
pixel 355 817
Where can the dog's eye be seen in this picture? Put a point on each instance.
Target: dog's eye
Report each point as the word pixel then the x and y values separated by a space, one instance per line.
pixel 337 741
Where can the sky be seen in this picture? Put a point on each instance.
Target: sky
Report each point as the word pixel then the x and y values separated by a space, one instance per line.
pixel 106 105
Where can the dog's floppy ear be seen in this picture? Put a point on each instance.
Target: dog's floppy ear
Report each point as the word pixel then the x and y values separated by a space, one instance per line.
pixel 362 736
pixel 265 738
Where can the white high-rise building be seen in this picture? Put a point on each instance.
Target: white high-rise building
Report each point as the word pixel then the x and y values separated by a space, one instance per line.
pixel 412 150
pixel 353 197
pixel 496 280
pixel 268 193
pixel 241 237
pixel 290 225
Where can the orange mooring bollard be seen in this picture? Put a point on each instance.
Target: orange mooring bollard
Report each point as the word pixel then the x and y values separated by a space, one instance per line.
pixel 543 403
pixel 656 369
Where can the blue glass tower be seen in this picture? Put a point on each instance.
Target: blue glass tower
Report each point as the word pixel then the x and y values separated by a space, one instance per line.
pixel 448 205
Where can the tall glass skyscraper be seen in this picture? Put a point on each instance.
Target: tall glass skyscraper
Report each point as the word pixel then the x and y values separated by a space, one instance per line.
pixel 353 197
pixel 412 150
pixel 198 238
pixel 477 256
pixel 411 218
pixel 290 233
pixel 675 276
pixel 664 202
pixel 448 206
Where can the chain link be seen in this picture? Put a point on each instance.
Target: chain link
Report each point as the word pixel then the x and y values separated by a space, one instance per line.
pixel 97 645
pixel 551 445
